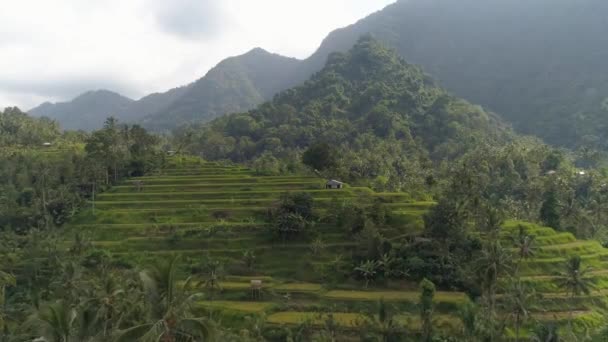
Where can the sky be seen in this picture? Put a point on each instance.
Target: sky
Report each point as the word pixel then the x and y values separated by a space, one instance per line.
pixel 54 50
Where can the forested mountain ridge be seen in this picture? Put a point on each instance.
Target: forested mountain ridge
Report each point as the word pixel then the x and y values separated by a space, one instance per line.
pixel 534 62
pixel 86 111
pixel 543 74
pixel 373 109
pixel 236 84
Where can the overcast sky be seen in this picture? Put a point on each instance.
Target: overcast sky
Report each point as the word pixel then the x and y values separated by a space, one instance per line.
pixel 53 50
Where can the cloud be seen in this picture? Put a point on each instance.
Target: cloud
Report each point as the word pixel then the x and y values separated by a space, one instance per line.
pixel 192 19
pixel 64 88
pixel 135 47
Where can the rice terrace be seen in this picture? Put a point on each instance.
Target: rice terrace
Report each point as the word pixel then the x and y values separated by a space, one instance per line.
pixel 304 171
pixel 203 210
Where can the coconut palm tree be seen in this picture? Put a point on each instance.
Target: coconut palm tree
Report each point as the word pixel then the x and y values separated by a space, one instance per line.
pixel 468 317
pixel 249 259
pixel 494 262
pixel 107 305
pixel 5 280
pixel 170 317
pixel 427 294
pixel 525 244
pixel 574 279
pixel 55 322
pixel 518 301
pixel 383 325
pixel 212 271
pixel 546 333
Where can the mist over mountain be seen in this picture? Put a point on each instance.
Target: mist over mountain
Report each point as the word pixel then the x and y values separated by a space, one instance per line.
pixel 236 84
pixel 537 63
pixel 86 111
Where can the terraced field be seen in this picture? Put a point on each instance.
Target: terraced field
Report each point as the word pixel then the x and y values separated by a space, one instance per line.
pixel 201 209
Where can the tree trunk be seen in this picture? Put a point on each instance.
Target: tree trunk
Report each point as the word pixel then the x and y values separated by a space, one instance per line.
pixel 571 314
pixel 517 324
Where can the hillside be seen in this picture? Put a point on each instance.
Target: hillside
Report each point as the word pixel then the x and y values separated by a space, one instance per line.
pixel 212 212
pixel 236 84
pixel 377 113
pixel 87 111
pixel 541 75
pixel 535 62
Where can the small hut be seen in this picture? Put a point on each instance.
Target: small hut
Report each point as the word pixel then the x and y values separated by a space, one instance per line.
pixel 334 184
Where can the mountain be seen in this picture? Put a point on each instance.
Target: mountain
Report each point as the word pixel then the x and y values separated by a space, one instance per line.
pixel 87 111
pixel 236 84
pixel 539 63
pixel 379 115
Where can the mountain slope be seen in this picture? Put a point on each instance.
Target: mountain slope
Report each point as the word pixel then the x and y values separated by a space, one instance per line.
pixel 537 63
pixel 377 112
pixel 236 84
pixel 87 111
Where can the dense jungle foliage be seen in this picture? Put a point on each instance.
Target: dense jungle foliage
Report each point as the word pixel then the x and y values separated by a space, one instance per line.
pixel 449 229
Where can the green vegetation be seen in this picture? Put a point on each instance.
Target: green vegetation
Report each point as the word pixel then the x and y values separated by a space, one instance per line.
pixel 438 233
pixel 223 253
pixel 367 115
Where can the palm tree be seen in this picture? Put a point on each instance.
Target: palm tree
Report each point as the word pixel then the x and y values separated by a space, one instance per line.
pixel 468 317
pixel 170 317
pixel 524 244
pixel 108 305
pixel 249 259
pixel 546 333
pixel 427 294
pixel 575 280
pixel 56 322
pixel 317 246
pixel 368 270
pixel 212 271
pixel 519 298
pixel 68 284
pixel 383 324
pixel 492 264
pixel 5 280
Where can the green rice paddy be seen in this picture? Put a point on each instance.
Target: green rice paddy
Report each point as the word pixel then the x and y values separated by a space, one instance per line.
pixel 198 209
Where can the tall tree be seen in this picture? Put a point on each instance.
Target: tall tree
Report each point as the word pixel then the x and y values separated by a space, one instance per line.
pixel 170 308
pixel 494 262
pixel 525 245
pixel 549 212
pixel 5 281
pixel 427 295
pixel 383 325
pixel 518 300
pixel 574 279
pixel 320 156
